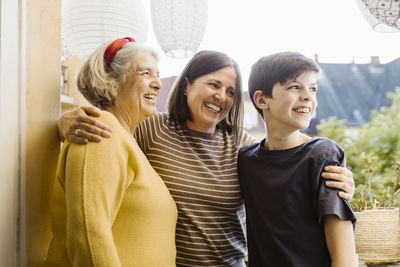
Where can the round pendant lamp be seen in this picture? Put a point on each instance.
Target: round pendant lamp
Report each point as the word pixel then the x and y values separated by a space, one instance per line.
pixel 88 23
pixel 179 25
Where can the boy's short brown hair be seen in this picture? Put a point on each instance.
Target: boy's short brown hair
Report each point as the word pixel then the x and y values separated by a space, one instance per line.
pixel 279 67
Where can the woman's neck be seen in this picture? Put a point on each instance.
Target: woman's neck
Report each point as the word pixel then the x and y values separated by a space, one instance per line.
pixel 126 118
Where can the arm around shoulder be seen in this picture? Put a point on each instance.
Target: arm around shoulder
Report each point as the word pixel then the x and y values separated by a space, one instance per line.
pixel 341 177
pixel 78 127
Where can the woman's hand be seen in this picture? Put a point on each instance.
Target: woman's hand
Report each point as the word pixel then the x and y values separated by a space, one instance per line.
pixel 76 126
pixel 343 180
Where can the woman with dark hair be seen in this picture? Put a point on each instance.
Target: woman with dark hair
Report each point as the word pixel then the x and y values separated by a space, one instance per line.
pixel 204 63
pixel 194 149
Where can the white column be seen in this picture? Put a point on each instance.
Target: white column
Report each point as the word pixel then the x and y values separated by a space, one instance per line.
pixel 30 52
pixel 10 91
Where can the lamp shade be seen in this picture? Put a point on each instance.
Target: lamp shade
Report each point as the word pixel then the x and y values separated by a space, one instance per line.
pixel 179 25
pixel 87 23
pixel 382 15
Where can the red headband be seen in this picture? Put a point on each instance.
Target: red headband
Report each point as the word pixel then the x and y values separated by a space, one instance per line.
pixel 113 48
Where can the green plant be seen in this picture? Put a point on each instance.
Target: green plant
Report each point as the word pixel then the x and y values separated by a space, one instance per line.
pixel 379 192
pixel 373 155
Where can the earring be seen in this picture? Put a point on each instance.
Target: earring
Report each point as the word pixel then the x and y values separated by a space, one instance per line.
pixel 184 93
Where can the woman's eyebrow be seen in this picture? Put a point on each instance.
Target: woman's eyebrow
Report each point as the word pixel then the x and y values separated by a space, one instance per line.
pixel 139 68
pixel 220 83
pixel 213 80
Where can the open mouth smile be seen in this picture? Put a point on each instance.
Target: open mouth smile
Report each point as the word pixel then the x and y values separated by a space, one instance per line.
pixel 150 97
pixel 303 110
pixel 212 107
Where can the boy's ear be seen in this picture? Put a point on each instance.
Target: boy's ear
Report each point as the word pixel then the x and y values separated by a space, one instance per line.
pixel 260 100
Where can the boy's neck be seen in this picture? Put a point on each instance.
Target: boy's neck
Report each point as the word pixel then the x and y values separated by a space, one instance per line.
pixel 277 141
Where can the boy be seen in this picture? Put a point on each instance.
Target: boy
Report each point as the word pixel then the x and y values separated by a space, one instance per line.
pixel 293 219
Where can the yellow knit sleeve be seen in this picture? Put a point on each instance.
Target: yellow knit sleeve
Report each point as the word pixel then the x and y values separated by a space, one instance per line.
pixel 96 176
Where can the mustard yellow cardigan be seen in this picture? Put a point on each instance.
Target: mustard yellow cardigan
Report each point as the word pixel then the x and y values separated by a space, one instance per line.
pixel 109 207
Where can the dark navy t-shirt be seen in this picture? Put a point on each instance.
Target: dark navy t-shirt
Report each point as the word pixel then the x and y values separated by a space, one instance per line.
pixel 286 200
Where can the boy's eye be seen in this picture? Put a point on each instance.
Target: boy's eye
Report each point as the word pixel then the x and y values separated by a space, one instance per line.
pixel 313 89
pixel 294 87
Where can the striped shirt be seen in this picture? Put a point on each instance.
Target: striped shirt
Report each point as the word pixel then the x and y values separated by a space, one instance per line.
pixel 200 171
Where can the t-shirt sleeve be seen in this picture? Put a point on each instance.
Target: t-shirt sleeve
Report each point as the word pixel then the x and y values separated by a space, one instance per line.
pixel 247 139
pixel 327 200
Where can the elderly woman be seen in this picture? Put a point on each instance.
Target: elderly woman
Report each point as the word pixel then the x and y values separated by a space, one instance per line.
pixel 110 207
pixel 194 149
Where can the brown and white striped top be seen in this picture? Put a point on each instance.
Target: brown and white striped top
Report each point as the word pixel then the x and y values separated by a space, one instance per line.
pixel 200 171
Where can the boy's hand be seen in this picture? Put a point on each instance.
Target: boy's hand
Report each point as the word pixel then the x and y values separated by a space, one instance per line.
pixel 77 127
pixel 343 180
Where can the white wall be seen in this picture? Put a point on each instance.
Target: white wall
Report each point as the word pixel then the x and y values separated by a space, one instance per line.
pixel 9 134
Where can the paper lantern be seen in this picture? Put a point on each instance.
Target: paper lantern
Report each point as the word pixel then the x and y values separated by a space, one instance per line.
pixel 179 25
pixel 88 23
pixel 382 15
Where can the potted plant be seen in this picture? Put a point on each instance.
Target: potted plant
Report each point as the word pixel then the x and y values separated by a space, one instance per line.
pixel 378 226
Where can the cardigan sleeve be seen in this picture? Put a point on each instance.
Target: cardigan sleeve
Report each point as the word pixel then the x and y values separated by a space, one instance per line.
pixel 96 177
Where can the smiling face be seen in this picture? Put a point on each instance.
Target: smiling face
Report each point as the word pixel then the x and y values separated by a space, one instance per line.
pixel 293 103
pixel 140 89
pixel 209 98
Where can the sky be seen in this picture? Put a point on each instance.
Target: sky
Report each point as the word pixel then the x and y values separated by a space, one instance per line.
pixel 249 29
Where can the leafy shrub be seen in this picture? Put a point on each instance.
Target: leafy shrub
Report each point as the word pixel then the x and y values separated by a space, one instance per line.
pixel 373 155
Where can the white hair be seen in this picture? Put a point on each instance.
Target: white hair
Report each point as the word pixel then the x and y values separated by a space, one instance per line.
pixel 100 85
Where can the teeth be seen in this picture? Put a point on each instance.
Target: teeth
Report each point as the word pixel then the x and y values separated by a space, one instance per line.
pixel 151 97
pixel 213 107
pixel 303 110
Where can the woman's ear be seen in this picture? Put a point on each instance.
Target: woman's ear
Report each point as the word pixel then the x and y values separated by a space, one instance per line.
pixel 260 100
pixel 185 84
